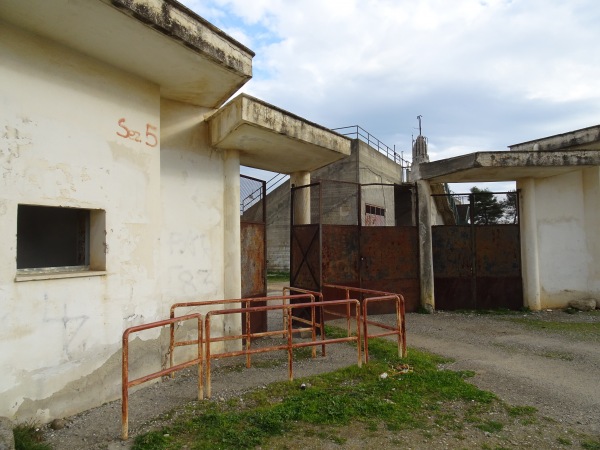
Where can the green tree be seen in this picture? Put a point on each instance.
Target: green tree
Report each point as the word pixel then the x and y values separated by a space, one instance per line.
pixel 510 207
pixel 486 207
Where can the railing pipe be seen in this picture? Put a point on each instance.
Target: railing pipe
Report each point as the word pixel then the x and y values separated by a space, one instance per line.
pixel 126 383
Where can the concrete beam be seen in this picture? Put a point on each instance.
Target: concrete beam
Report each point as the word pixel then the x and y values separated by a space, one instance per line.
pixel 507 165
pixel 272 139
pixel 588 138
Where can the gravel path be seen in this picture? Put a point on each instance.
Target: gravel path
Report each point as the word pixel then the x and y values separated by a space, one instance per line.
pixel 558 373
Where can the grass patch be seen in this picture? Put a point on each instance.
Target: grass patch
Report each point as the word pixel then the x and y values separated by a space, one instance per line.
pixel 341 398
pixel 491 426
pixel 591 444
pixel 278 276
pixel 583 329
pixel 493 312
pixel 521 411
pixel 28 437
pixel 564 441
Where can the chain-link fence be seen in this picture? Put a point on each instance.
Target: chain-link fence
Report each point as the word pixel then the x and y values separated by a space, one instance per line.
pixel 252 199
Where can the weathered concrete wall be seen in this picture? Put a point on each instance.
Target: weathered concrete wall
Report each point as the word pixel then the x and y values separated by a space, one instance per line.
pixel 564 230
pixel 364 165
pixel 64 119
pixel 375 167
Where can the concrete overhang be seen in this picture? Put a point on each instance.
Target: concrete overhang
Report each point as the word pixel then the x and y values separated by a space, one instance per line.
pixel 160 40
pixel 507 166
pixel 585 138
pixel 272 139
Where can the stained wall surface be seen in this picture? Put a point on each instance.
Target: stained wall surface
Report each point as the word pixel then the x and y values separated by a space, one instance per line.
pixel 562 225
pixel 78 133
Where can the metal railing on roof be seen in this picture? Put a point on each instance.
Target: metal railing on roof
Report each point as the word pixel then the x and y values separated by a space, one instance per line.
pixel 360 133
pixel 249 199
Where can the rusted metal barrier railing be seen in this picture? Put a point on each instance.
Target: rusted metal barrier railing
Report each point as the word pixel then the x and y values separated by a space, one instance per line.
pixel 320 324
pixel 398 330
pixel 126 383
pixel 248 336
pixel 290 345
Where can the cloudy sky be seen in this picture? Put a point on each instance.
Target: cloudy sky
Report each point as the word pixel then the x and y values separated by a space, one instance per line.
pixel 483 74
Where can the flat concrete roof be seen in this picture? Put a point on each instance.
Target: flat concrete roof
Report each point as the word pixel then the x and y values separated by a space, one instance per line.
pixel 272 139
pixel 507 165
pixel 588 138
pixel 160 40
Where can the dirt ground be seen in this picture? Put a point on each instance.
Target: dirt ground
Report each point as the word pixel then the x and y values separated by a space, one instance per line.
pixel 557 373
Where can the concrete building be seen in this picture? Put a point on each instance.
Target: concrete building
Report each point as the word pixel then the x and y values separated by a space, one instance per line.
pixel 559 182
pixel 365 165
pixel 119 186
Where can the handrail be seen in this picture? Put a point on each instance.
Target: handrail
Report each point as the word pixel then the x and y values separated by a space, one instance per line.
pixel 289 346
pixel 372 141
pixel 248 301
pixel 377 296
pixel 321 324
pixel 126 383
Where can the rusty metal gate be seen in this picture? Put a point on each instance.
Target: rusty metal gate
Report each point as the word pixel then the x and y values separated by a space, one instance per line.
pixel 253 241
pixel 355 235
pixel 477 262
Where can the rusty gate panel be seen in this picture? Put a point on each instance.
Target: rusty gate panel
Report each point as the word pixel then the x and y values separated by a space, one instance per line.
pixel 252 237
pixel 498 281
pixel 477 267
pixel 253 243
pixel 340 254
pixel 452 267
pixel 340 258
pixel 390 262
pixel 305 257
pixel 498 251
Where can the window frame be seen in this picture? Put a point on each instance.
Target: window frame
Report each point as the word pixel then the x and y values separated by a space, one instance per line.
pixel 94 251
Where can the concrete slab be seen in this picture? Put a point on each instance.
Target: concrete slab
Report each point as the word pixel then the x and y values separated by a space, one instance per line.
pixel 585 138
pixel 507 165
pixel 160 40
pixel 272 139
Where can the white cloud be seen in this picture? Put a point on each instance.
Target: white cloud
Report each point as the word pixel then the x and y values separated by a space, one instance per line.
pixel 484 74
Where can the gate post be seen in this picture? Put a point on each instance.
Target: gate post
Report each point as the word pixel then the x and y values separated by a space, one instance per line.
pixel 419 154
pixel 529 245
pixel 425 245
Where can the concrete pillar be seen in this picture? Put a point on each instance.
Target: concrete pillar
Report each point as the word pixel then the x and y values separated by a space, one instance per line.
pixel 419 153
pixel 301 198
pixel 425 245
pixel 591 220
pixel 232 283
pixel 529 245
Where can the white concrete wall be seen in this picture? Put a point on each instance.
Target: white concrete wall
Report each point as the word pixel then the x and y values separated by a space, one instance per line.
pixel 564 231
pixel 62 126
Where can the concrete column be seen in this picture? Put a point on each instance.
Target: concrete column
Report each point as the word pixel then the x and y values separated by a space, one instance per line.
pixel 591 220
pixel 301 198
pixel 232 283
pixel 529 245
pixel 425 245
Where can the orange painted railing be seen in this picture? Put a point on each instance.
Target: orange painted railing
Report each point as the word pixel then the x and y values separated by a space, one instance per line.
pixel 126 383
pixel 398 330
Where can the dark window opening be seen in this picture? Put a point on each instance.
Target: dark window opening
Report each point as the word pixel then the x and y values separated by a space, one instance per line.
pixel 52 237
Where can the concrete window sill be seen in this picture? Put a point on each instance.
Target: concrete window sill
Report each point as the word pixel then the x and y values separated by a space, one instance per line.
pixel 54 275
